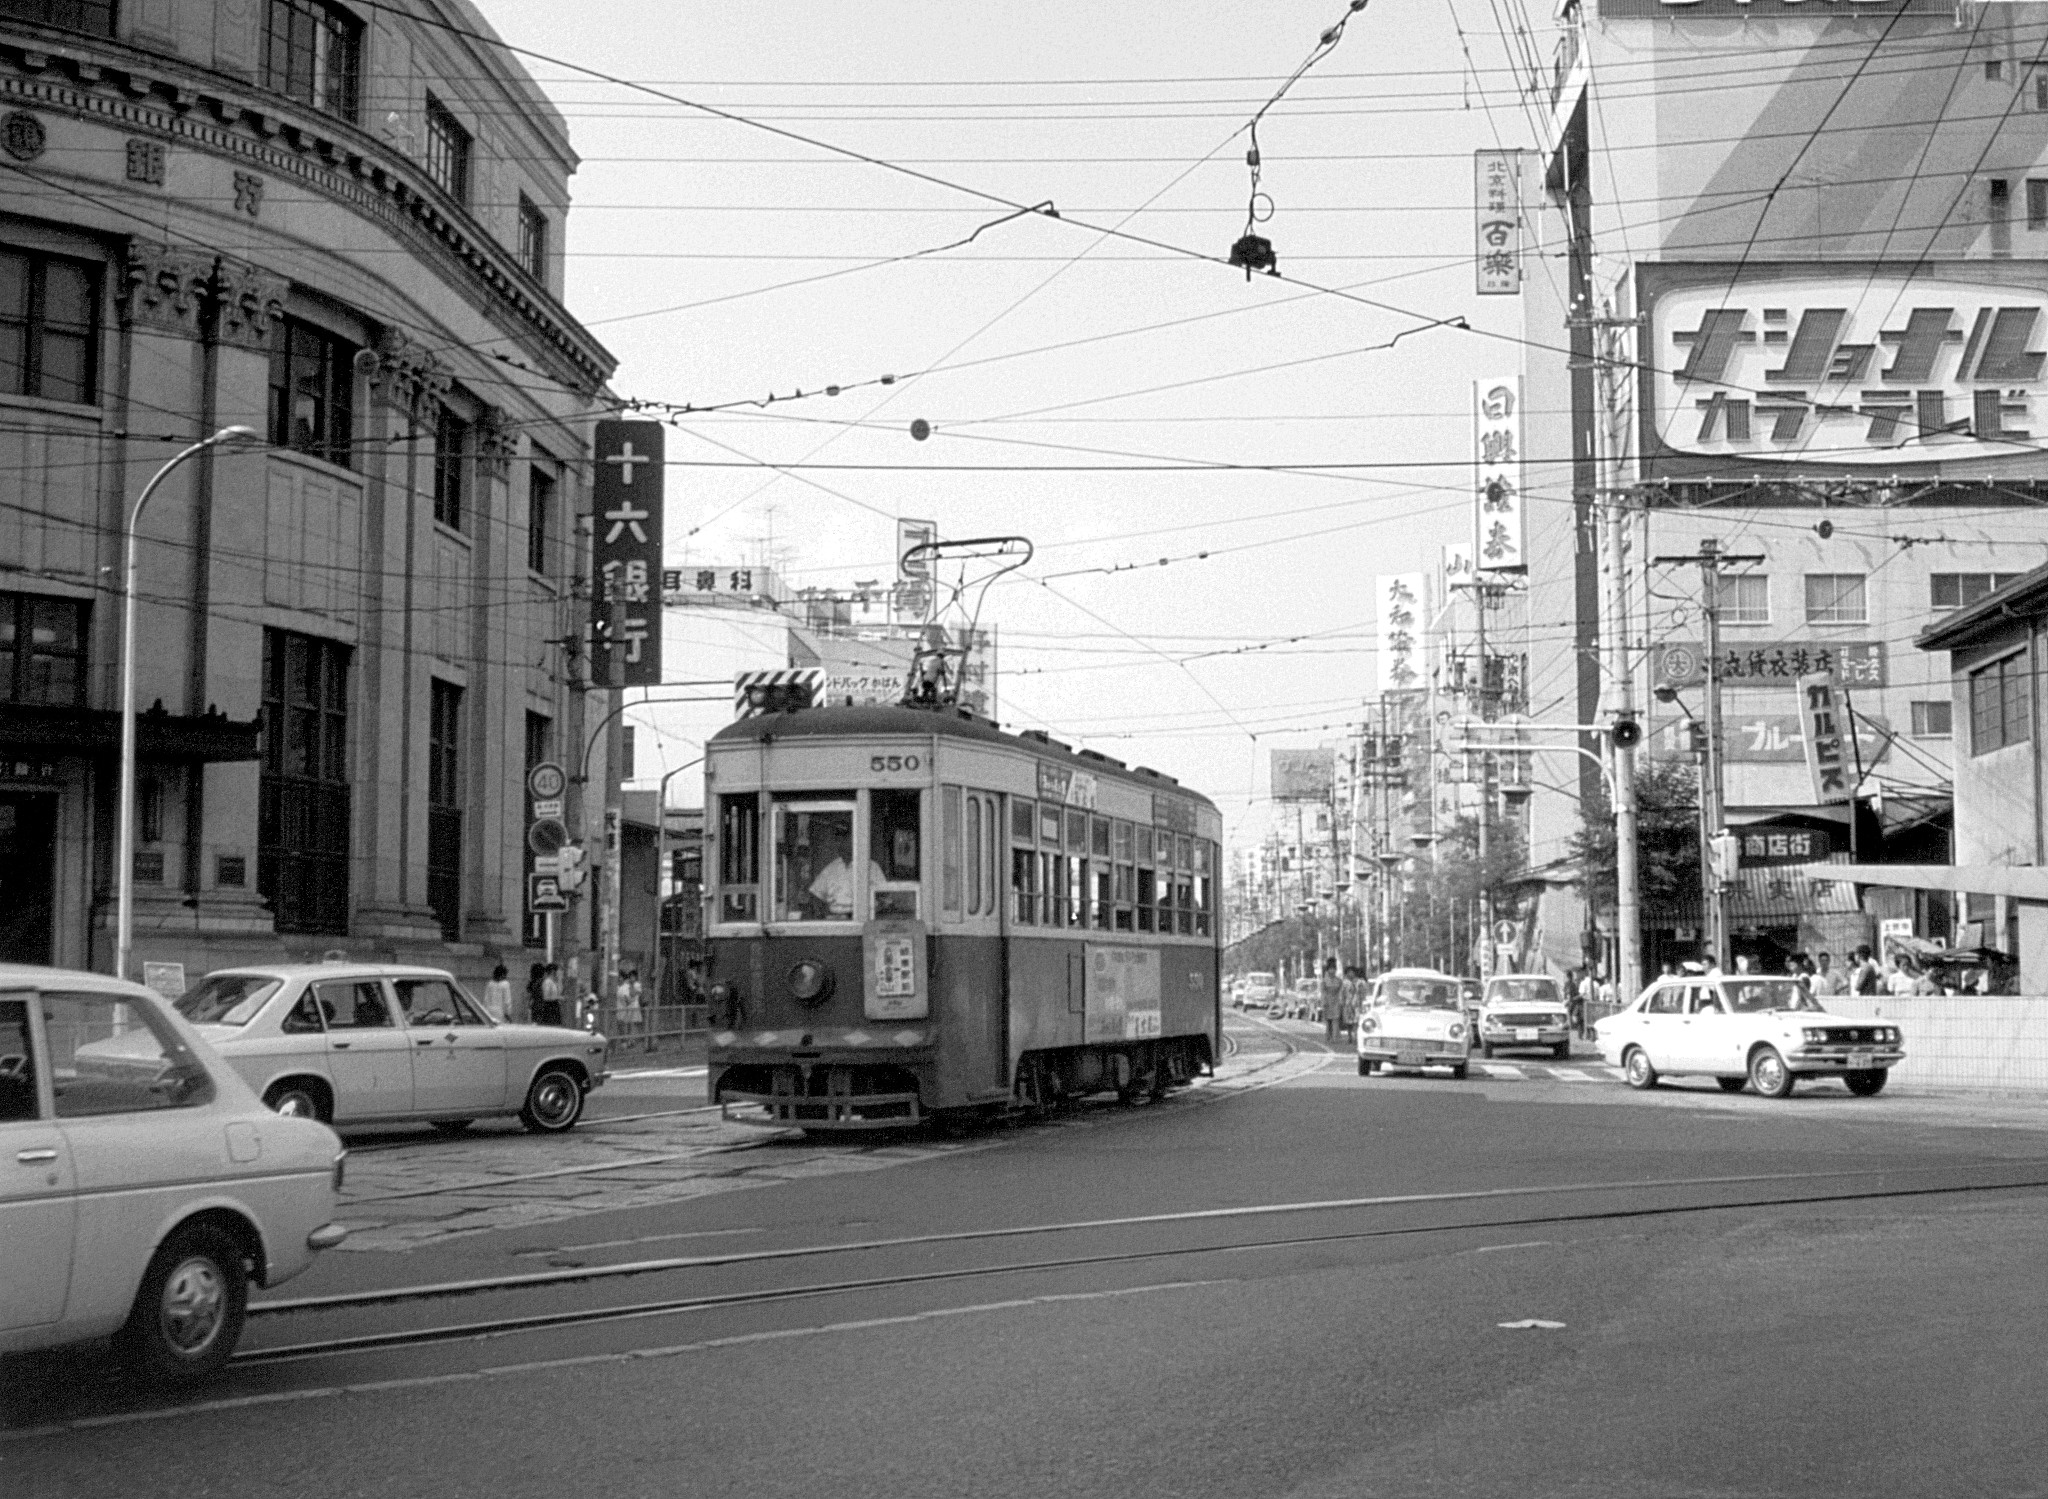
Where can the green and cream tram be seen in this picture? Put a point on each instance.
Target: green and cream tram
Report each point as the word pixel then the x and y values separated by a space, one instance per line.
pixel 911 912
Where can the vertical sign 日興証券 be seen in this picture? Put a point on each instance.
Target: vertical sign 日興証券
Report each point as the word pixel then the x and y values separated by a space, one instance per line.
pixel 1826 727
pixel 1497 459
pixel 625 594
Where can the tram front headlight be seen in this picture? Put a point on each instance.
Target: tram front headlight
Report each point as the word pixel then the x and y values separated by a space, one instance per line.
pixel 810 981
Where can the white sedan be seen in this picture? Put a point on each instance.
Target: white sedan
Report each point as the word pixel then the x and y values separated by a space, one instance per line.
pixel 143 1187
pixel 1742 1029
pixel 379 1043
pixel 1414 1018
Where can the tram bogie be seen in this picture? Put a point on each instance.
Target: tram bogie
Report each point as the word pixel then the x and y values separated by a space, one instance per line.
pixel 913 914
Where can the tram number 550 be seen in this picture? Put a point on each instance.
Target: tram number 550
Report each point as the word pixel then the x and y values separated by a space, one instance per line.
pixel 879 763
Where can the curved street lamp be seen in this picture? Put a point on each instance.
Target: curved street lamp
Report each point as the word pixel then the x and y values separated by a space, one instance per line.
pixel 124 843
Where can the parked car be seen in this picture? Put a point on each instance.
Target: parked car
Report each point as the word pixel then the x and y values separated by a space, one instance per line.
pixel 143 1187
pixel 374 1043
pixel 1261 989
pixel 1742 1029
pixel 1413 1019
pixel 1524 1010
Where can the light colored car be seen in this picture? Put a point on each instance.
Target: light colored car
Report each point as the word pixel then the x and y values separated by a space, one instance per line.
pixel 1523 1010
pixel 1261 990
pixel 1413 1019
pixel 378 1043
pixel 1742 1029
pixel 143 1187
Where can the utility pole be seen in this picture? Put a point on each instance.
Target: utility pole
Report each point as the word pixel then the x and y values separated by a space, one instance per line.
pixel 1628 961
pixel 1710 559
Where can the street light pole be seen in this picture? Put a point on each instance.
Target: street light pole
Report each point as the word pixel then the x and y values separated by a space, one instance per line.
pixel 124 789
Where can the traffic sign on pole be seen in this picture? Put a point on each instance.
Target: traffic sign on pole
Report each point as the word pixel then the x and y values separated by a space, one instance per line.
pixel 546 781
pixel 543 893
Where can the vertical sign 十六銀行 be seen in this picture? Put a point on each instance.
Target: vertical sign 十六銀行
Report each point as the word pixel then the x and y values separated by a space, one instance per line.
pixel 625 598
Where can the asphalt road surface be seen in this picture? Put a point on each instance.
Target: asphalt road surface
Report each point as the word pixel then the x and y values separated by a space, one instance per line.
pixel 1291 1281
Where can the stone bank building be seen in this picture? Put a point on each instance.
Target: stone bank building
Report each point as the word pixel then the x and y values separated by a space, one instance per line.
pixel 342 228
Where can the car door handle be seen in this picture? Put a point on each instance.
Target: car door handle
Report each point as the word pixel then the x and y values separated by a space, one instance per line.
pixel 340 1045
pixel 424 1041
pixel 30 1157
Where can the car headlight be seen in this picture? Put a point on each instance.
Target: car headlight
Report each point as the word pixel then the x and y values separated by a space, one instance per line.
pixel 1367 1025
pixel 1457 1029
pixel 1891 1034
pixel 1813 1036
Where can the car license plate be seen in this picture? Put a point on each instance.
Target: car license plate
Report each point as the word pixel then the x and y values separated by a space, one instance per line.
pixel 1860 1061
pixel 1527 1033
pixel 1408 1059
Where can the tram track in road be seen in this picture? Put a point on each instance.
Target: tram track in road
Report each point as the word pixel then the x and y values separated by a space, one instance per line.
pixel 1440 1216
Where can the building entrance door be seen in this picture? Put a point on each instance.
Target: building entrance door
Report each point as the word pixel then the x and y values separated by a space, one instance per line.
pixel 28 876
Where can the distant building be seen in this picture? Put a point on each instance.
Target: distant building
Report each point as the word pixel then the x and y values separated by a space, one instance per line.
pixel 342 228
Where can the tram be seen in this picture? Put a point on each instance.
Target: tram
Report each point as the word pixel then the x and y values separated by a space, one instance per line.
pixel 912 913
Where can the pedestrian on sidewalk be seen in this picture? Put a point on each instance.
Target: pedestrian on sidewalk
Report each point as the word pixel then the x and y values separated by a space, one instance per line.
pixel 534 974
pixel 549 1010
pixel 498 995
pixel 1333 1001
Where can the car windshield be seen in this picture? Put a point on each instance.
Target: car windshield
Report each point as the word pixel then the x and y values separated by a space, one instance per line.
pixel 1522 991
pixel 1754 996
pixel 227 998
pixel 1419 994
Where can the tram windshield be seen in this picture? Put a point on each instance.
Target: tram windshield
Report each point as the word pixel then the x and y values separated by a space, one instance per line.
pixel 814 862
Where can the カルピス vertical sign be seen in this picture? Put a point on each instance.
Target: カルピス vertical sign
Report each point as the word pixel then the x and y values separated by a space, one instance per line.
pixel 1825 721
pixel 625 592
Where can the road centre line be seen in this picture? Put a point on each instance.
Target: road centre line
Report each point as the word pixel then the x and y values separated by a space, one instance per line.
pixel 1197 1215
pixel 587 1360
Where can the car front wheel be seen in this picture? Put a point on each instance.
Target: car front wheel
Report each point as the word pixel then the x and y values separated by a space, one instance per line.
pixel 554 1103
pixel 1868 1083
pixel 1636 1068
pixel 188 1314
pixel 1769 1075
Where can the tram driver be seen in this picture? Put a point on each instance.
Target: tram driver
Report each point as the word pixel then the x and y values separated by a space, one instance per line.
pixel 829 896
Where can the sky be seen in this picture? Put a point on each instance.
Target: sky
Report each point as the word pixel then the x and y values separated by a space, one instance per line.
pixel 1121 404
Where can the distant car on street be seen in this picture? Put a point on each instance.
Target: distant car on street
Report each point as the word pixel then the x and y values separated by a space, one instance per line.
pixel 143 1187
pixel 1261 990
pixel 1741 1029
pixel 376 1043
pixel 1524 1010
pixel 1413 1019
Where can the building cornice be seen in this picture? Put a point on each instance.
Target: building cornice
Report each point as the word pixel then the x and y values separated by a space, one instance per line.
pixel 126 88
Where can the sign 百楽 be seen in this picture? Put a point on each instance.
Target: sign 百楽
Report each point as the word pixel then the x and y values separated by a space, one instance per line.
pixel 625 604
pixel 1497 203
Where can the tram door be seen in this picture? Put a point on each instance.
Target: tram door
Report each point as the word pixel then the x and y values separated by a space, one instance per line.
pixel 971 997
pixel 28 876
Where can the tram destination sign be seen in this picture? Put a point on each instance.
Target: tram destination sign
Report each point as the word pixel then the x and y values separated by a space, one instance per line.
pixel 625 600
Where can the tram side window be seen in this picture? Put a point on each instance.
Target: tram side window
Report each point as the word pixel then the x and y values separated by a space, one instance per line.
pixel 1102 896
pixel 1165 846
pixel 1146 883
pixel 956 850
pixel 739 858
pixel 895 852
pixel 814 875
pixel 1024 862
pixel 1126 877
pixel 1184 885
pixel 1204 892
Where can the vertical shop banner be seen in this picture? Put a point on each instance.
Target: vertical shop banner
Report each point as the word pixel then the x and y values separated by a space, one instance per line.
pixel 625 598
pixel 1456 571
pixel 1497 459
pixel 1399 600
pixel 1497 199
pixel 1824 719
pixel 914 575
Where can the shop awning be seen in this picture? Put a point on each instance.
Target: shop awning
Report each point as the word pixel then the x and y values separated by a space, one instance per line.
pixel 2021 881
pixel 209 738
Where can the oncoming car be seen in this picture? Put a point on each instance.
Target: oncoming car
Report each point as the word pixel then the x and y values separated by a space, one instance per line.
pixel 1739 1029
pixel 1261 990
pixel 143 1188
pixel 377 1043
pixel 1413 1019
pixel 1524 1009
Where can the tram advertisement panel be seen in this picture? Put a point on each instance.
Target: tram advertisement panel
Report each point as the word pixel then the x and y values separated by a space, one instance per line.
pixel 895 986
pixel 1123 994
